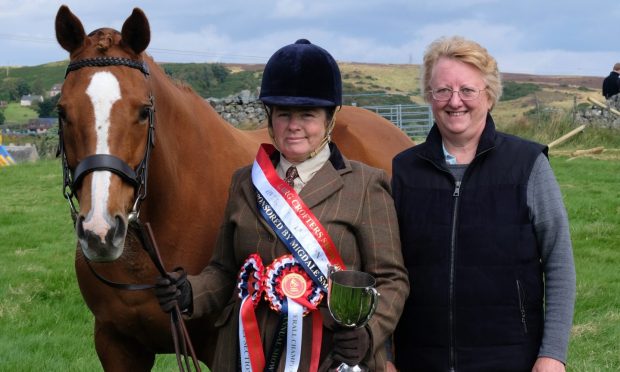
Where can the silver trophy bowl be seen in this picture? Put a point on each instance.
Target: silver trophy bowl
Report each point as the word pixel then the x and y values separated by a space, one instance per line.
pixel 352 300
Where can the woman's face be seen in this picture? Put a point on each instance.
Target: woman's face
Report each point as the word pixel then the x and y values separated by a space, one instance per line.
pixel 298 131
pixel 457 118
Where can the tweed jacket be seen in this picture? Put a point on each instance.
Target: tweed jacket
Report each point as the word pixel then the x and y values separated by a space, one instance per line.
pixel 353 202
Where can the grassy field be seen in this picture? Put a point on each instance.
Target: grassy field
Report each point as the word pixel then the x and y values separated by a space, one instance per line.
pixel 44 325
pixel 14 113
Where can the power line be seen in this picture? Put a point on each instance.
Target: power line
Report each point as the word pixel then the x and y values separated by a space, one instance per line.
pixel 34 39
pixel 195 53
pixel 205 54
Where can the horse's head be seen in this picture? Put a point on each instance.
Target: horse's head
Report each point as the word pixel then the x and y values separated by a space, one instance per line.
pixel 106 113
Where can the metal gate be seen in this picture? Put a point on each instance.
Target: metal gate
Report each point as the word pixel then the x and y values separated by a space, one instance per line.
pixel 414 120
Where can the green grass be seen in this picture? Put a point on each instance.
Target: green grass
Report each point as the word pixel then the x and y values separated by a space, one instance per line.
pixel 14 113
pixel 554 126
pixel 44 323
pixel 513 90
pixel 592 197
pixel 46 75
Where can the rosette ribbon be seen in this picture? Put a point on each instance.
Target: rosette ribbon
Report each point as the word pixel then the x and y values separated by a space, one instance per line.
pixel 250 287
pixel 290 291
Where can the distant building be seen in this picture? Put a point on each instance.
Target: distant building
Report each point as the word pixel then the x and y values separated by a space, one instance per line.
pixel 40 125
pixel 29 100
pixel 56 88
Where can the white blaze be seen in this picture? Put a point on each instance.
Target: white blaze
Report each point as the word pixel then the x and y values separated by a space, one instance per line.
pixel 103 91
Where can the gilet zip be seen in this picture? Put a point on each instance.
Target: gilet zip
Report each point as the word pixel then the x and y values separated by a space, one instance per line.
pixel 453 245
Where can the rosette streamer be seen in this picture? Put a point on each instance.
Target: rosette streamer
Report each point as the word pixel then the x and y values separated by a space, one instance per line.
pixel 250 287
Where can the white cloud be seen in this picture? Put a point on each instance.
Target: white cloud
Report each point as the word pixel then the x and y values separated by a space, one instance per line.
pixel 289 8
pixel 524 36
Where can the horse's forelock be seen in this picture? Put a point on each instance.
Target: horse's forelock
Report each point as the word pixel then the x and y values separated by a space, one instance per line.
pixel 102 30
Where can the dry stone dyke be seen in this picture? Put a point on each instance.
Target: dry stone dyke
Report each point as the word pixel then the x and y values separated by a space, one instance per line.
pixel 599 117
pixel 243 110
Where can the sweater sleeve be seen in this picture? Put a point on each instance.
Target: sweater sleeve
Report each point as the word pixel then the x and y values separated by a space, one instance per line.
pixel 550 221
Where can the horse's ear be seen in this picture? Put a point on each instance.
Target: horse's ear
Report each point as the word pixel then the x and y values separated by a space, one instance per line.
pixel 136 31
pixel 69 30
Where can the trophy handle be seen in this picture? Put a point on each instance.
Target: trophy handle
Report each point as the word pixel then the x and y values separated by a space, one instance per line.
pixel 375 299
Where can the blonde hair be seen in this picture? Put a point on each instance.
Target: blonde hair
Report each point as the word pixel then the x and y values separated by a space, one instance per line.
pixel 467 51
pixel 617 66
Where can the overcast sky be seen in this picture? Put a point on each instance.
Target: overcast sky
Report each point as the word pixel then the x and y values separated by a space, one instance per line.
pixel 549 37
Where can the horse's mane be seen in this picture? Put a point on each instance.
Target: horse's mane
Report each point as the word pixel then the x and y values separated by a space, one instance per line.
pixel 105 38
pixel 179 84
pixel 182 85
pixel 108 37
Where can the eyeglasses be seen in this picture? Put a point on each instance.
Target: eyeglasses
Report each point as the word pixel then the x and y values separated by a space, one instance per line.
pixel 445 94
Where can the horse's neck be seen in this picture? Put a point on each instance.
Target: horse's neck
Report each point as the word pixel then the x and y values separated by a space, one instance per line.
pixel 194 156
pixel 194 146
pixel 192 129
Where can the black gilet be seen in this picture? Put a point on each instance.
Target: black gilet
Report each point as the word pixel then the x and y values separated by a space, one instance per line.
pixel 476 300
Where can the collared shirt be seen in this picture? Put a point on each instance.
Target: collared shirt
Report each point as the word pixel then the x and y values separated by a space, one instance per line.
pixel 450 159
pixel 457 170
pixel 306 169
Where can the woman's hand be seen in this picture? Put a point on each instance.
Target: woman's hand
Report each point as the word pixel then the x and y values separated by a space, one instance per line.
pixel 173 289
pixel 351 345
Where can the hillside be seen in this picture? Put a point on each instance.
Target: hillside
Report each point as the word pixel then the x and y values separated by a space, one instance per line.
pixel 592 82
pixel 364 84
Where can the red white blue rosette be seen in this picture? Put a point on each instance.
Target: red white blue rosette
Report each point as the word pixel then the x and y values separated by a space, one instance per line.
pixel 250 279
pixel 286 279
pixel 289 289
pixel 250 287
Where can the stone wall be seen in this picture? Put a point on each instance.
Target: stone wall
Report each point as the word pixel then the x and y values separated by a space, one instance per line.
pixel 243 110
pixel 599 117
pixel 23 153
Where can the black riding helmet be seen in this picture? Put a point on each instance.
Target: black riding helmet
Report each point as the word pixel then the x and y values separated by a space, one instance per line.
pixel 301 74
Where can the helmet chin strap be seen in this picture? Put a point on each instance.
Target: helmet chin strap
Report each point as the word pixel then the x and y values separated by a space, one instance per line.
pixel 328 136
pixel 327 139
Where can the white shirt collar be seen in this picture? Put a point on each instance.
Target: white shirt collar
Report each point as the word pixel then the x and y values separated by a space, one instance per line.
pixel 306 169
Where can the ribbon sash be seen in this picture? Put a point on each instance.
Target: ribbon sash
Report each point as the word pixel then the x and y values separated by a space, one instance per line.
pixel 294 223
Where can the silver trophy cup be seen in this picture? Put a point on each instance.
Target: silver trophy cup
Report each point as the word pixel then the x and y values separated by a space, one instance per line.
pixel 352 300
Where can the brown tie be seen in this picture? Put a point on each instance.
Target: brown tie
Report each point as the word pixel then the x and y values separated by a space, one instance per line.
pixel 291 174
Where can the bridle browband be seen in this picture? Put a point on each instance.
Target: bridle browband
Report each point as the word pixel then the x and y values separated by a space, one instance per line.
pixel 107 61
pixel 138 179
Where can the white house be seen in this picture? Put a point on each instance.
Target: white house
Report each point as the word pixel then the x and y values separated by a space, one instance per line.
pixel 29 100
pixel 56 88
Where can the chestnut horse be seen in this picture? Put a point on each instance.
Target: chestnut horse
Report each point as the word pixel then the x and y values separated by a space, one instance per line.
pixel 125 125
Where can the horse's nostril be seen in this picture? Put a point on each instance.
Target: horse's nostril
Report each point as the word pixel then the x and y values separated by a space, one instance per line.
pixel 118 231
pixel 79 227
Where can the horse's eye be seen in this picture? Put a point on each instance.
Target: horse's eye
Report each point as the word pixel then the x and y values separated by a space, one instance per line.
pixel 145 113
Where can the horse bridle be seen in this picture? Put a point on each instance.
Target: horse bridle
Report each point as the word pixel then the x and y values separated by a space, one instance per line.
pixel 138 179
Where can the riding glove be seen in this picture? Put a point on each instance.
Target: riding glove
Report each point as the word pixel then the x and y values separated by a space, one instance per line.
pixel 350 345
pixel 174 289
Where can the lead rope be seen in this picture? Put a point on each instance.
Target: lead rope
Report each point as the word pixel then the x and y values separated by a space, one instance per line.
pixel 177 325
pixel 180 335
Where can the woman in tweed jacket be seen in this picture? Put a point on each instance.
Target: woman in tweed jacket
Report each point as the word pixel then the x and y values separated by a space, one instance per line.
pixel 301 89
